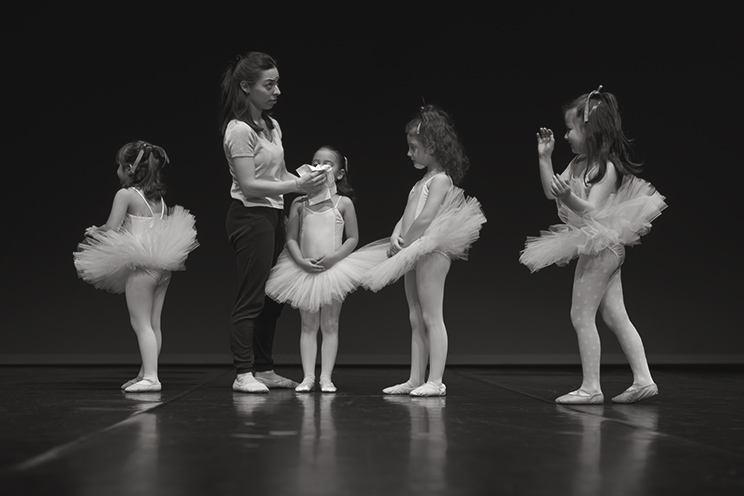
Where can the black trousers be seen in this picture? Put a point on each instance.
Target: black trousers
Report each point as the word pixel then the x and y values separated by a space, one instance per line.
pixel 257 235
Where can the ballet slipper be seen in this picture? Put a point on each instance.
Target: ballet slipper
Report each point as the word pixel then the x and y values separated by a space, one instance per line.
pixel 580 397
pixel 307 385
pixel 403 388
pixel 326 386
pixel 430 389
pixel 246 383
pixel 131 381
pixel 143 386
pixel 273 380
pixel 631 395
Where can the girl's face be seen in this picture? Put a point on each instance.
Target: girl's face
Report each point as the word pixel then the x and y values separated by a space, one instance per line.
pixel 264 93
pixel 422 158
pixel 121 172
pixel 574 132
pixel 327 157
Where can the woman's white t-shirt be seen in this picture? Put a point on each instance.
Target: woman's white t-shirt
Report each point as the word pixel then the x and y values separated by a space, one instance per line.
pixel 267 153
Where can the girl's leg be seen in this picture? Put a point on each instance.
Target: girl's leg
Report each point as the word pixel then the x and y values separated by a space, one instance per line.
pixel 419 341
pixel 140 295
pixel 431 273
pixel 309 322
pixel 612 309
pixel 157 308
pixel 329 318
pixel 590 282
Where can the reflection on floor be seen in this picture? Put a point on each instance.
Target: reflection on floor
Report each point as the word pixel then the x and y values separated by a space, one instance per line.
pixel 69 430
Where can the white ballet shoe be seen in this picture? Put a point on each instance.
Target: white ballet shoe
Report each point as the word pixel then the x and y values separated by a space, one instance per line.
pixel 273 380
pixel 326 386
pixel 143 386
pixel 246 383
pixel 580 397
pixel 307 385
pixel 631 395
pixel 430 389
pixel 403 388
pixel 131 381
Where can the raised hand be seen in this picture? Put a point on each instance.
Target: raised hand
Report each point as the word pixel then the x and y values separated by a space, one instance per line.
pixel 545 142
pixel 559 188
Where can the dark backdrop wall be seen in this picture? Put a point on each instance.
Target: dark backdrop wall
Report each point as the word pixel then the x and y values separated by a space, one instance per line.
pixel 79 84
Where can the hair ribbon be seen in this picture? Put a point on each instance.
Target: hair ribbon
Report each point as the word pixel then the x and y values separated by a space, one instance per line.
pixel 586 105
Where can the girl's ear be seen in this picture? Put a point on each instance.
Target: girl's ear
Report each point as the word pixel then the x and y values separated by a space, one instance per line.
pixel 340 175
pixel 245 87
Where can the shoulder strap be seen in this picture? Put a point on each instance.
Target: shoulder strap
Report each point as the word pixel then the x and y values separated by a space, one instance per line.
pixel 146 202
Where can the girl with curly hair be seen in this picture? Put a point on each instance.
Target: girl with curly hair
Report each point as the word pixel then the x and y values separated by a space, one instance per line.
pixel 439 224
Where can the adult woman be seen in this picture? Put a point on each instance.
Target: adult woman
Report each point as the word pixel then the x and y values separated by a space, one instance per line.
pixel 254 152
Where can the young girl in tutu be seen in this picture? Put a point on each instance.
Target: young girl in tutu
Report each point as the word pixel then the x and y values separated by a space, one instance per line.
pixel 317 269
pixel 136 249
pixel 604 207
pixel 438 224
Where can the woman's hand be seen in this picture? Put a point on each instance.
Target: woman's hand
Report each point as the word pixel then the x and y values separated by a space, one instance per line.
pixel 545 142
pixel 312 182
pixel 559 188
pixel 92 230
pixel 311 265
pixel 396 244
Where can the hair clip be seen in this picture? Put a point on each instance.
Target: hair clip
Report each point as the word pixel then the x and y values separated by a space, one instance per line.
pixel 586 104
pixel 346 164
pixel 139 157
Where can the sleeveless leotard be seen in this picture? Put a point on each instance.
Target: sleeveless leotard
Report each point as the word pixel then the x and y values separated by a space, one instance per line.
pixel 321 232
pixel 157 245
pixel 625 216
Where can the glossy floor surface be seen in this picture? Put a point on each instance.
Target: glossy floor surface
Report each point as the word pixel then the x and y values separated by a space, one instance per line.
pixel 69 430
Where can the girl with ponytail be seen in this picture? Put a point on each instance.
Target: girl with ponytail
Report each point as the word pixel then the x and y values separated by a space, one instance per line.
pixel 136 250
pixel 604 207
pixel 252 142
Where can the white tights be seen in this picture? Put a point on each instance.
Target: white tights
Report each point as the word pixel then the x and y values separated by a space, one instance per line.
pixel 327 319
pixel 597 286
pixel 145 293
pixel 425 294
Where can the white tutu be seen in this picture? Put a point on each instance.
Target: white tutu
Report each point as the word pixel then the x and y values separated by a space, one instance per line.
pixel 625 217
pixel 107 258
pixel 455 228
pixel 288 283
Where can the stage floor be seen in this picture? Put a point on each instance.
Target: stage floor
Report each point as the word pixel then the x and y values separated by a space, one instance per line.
pixel 70 430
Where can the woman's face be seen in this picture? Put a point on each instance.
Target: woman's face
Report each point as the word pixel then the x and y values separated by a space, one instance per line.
pixel 263 94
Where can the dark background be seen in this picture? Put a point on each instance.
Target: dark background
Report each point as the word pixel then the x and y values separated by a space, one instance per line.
pixel 80 83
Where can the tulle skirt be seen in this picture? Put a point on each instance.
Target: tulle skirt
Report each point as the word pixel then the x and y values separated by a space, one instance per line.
pixel 625 217
pixel 455 228
pixel 288 283
pixel 107 259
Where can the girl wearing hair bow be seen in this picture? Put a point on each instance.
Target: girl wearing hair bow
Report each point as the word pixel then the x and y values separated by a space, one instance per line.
pixel 136 249
pixel 604 207
pixel 319 266
pixel 438 225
